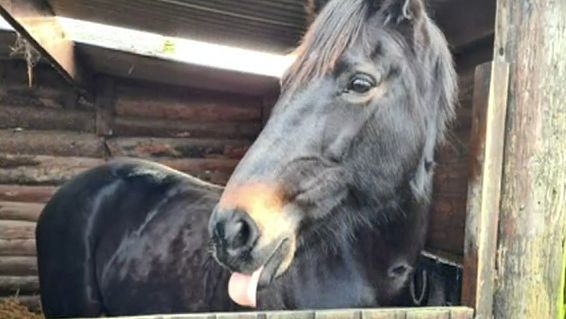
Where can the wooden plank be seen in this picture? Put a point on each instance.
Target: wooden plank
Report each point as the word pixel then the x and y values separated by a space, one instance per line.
pixel 241 315
pixel 104 104
pixel 14 284
pixel 20 211
pixel 41 118
pixel 54 143
pixel 41 169
pixel 302 314
pixel 429 314
pixel 24 193
pixel 376 313
pixel 462 313
pixel 197 164
pixel 35 21
pixel 448 215
pixel 530 37
pixel 18 266
pixel 17 247
pixel 47 90
pixel 216 171
pixel 484 189
pixel 177 147
pixel 447 219
pixel 338 314
pixel 171 103
pixel 16 229
pixel 136 127
pixel 383 313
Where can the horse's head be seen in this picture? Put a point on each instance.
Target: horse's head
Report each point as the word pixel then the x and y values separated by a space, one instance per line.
pixel 359 115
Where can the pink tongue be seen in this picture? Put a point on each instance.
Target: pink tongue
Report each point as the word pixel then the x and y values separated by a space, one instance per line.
pixel 243 288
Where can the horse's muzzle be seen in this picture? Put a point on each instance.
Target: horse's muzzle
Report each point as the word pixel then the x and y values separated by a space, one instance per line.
pixel 234 234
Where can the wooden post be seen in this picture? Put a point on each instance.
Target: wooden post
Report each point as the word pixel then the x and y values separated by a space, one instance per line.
pixel 530 36
pixel 486 160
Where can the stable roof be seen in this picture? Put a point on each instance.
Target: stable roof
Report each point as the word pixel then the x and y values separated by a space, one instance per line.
pixel 274 26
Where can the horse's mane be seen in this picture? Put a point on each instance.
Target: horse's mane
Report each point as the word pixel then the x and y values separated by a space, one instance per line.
pixel 337 26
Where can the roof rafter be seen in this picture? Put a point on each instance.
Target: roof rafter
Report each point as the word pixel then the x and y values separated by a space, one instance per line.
pixel 35 22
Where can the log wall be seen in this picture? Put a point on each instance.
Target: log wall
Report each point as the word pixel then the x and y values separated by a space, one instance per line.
pixel 48 135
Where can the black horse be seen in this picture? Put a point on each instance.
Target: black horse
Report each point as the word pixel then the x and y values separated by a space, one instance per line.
pixel 328 208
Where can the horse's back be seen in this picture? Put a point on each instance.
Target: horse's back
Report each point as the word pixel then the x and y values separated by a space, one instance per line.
pixel 115 196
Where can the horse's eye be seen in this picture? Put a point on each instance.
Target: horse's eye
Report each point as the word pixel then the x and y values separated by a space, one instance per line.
pixel 361 84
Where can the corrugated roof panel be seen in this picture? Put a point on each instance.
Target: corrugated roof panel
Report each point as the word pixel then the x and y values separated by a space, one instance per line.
pixel 269 25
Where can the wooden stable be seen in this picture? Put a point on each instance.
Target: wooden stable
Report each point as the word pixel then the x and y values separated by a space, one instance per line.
pixel 506 144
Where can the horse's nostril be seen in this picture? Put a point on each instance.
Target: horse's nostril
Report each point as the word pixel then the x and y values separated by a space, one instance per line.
pixel 233 230
pixel 219 231
pixel 238 233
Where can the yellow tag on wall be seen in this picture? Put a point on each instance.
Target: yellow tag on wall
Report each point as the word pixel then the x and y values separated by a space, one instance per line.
pixel 168 46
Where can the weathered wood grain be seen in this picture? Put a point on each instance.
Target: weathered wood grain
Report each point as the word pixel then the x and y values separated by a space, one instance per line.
pixel 16 229
pixel 426 314
pixel 216 171
pixel 378 313
pixel 14 284
pixel 18 266
pixel 24 193
pixel 462 313
pixel 54 143
pixel 187 105
pixel 530 37
pixel 17 247
pixel 446 229
pixel 484 188
pixel 177 147
pixel 289 315
pixel 383 314
pixel 20 211
pixel 140 127
pixel 241 315
pixel 104 103
pixel 40 169
pixel 447 220
pixel 48 89
pixel 42 118
pixel 36 23
pixel 337 314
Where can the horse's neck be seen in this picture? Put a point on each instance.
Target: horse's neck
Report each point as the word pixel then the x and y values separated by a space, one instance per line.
pixel 321 277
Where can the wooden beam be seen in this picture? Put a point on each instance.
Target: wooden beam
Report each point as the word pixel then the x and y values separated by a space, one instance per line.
pixel 36 23
pixel 529 35
pixel 486 160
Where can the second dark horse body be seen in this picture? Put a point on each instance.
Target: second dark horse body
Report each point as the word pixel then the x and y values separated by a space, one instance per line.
pixel 328 208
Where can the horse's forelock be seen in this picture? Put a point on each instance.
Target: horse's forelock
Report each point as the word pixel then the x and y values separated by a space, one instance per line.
pixel 338 25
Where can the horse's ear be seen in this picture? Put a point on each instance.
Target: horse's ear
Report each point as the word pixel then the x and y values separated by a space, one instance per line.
pixel 313 8
pixel 398 11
